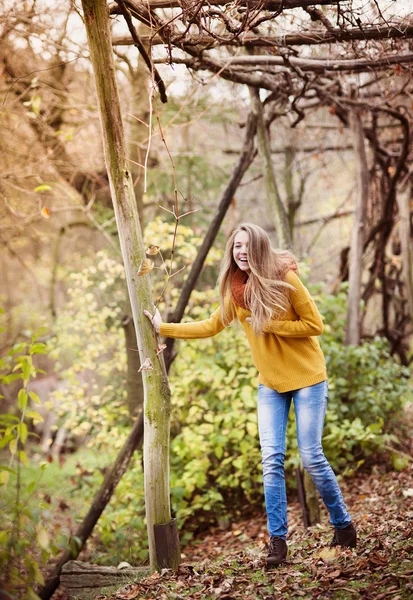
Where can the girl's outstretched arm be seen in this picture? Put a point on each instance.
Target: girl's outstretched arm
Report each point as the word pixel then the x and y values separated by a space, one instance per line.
pixel 197 329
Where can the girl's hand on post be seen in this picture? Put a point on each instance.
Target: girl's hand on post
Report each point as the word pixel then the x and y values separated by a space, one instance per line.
pixel 155 319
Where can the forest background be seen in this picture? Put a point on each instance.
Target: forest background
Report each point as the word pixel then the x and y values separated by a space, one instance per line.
pixel 70 371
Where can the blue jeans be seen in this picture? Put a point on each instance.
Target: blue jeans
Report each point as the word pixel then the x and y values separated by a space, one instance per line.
pixel 310 407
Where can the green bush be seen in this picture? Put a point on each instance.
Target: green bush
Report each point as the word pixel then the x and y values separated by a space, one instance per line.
pixel 215 454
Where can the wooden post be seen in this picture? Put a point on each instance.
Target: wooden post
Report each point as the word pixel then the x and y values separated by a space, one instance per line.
pixel 403 201
pixel 357 238
pixel 301 496
pixel 311 499
pixel 157 403
pixel 167 544
pixel 307 495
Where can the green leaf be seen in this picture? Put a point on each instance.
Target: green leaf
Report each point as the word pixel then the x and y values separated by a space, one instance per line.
pixel 36 103
pixel 41 331
pixel 10 378
pixel 8 419
pixel 22 431
pixel 27 368
pixel 22 399
pixel 31 487
pixel 8 469
pixel 31 594
pixel 38 577
pixel 32 414
pixel 17 348
pixel 399 462
pixel 75 544
pixel 23 457
pixel 4 477
pixel 43 188
pixel 5 440
pixel 34 397
pixel 3 538
pixel 42 538
pixel 38 348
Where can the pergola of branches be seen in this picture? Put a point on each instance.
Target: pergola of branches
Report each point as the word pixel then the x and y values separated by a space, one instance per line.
pixel 342 55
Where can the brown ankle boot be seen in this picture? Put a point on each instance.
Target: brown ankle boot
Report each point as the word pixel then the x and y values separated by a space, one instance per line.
pixel 277 551
pixel 346 537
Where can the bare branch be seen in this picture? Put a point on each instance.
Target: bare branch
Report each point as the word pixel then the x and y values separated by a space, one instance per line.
pixel 270 5
pixel 138 43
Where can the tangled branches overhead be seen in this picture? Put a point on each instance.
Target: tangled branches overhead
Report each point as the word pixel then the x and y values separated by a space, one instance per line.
pixel 254 42
pixel 343 55
pixel 305 53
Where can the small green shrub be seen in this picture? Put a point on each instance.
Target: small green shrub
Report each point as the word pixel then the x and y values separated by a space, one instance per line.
pixel 25 542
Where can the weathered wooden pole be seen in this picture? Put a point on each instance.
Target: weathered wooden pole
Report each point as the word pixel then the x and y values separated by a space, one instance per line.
pixel 357 237
pixel 157 404
pixel 404 201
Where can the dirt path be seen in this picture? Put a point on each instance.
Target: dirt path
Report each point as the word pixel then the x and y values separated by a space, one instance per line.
pixel 225 565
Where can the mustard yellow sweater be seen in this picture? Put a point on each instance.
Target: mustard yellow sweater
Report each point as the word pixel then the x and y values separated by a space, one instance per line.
pixel 288 355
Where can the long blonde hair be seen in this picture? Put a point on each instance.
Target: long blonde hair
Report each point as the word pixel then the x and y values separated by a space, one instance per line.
pixel 266 292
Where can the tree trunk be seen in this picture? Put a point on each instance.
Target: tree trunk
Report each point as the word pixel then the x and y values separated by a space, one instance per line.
pixel 357 239
pixel 276 207
pixel 403 201
pixel 157 397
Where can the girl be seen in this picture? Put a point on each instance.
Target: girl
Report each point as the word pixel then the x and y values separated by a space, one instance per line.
pixel 259 287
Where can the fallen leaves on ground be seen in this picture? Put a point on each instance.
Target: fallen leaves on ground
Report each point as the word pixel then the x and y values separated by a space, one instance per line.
pixel 224 565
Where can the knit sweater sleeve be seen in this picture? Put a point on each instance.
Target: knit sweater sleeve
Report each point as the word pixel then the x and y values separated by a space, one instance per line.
pixel 195 330
pixel 309 322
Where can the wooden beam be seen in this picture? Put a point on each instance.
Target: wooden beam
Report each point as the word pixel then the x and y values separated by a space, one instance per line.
pixel 272 5
pixel 306 150
pixel 254 70
pixel 315 64
pixel 304 38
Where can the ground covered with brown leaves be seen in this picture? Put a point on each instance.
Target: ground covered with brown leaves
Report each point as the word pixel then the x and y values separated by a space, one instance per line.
pixel 231 564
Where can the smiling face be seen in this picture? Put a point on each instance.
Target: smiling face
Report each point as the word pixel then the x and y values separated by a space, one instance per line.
pixel 240 251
